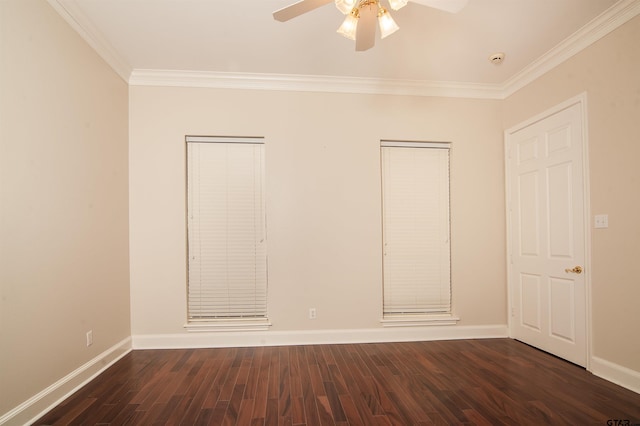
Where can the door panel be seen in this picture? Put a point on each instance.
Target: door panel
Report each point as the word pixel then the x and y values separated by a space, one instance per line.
pixel 530 301
pixel 546 203
pixel 529 220
pixel 560 232
pixel 562 309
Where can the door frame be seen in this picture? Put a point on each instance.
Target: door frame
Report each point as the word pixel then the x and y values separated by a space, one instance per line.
pixel 581 99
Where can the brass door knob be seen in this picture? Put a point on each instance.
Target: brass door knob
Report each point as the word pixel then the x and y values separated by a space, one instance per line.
pixel 574 270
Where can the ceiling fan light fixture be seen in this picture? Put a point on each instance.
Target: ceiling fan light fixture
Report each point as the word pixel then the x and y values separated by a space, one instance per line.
pixel 387 25
pixel 350 25
pixel 398 4
pixel 345 6
pixel 364 33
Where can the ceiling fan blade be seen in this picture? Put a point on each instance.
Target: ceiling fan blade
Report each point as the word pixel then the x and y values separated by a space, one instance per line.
pixel 297 9
pixel 451 6
pixel 366 30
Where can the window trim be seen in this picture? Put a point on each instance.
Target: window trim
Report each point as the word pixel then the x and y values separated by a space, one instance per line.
pixel 231 323
pixel 418 319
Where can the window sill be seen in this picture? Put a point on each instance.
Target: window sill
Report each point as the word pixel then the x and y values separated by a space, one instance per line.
pixel 239 324
pixel 418 320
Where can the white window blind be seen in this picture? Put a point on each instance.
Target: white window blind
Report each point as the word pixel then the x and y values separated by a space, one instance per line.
pixel 416 262
pixel 227 266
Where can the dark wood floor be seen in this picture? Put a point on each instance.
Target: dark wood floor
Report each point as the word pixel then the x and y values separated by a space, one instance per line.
pixel 473 382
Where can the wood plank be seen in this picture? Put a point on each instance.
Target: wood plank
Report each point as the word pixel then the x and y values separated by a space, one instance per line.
pixel 233 410
pixel 254 374
pixel 217 417
pixel 192 404
pixel 244 412
pixel 334 402
pixel 475 382
pixel 357 388
pixel 284 392
pixel 260 404
pixel 215 388
pixel 308 395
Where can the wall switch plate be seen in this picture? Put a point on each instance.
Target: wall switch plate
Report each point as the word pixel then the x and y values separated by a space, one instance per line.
pixel 89 338
pixel 601 221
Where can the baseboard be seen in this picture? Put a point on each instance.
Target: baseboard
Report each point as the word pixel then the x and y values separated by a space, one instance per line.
pixel 45 400
pixel 615 373
pixel 315 337
pixel 39 404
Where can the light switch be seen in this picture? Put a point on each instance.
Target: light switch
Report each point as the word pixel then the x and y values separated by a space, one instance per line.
pixel 602 221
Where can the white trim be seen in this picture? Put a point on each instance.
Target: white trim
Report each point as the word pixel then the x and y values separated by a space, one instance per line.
pixel 508 213
pixel 609 20
pixel 580 99
pixel 312 83
pixel 225 139
pixel 316 337
pixel 73 15
pixel 408 320
pixel 615 373
pixel 39 404
pixel 410 144
pixel 599 27
pixel 236 324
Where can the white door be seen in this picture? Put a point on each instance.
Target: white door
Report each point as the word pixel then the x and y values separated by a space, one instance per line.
pixel 547 234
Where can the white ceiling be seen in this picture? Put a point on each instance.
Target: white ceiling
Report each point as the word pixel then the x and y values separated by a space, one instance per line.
pixel 241 36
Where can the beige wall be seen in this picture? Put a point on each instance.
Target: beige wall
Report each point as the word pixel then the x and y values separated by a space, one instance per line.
pixel 64 265
pixel 65 179
pixel 323 200
pixel 609 72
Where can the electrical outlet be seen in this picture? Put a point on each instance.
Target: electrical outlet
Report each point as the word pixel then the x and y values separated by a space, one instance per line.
pixel 312 313
pixel 89 338
pixel 601 221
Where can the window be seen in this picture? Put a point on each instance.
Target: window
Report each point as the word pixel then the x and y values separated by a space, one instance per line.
pixel 416 248
pixel 227 259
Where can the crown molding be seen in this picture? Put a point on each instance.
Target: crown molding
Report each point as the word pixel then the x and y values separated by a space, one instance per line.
pixel 609 20
pixel 612 18
pixel 310 83
pixel 74 16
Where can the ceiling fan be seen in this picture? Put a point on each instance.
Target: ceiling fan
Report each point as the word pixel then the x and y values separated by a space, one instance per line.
pixel 359 23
